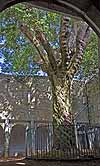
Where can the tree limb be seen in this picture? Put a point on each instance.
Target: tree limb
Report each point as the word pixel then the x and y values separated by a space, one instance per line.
pixel 34 41
pixel 66 40
pixel 81 42
pixel 46 45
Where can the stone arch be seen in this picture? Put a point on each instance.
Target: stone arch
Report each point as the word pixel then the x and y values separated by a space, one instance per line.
pixel 89 10
pixel 1 140
pixel 17 140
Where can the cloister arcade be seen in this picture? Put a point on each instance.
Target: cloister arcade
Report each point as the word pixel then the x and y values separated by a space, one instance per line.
pixel 89 11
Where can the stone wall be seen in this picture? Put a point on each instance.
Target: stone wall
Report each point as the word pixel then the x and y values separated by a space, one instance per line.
pixel 86 101
pixel 22 102
pixel 25 100
pixel 93 93
pixel 31 99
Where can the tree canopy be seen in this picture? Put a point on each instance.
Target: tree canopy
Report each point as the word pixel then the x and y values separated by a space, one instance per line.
pixel 90 58
pixel 20 56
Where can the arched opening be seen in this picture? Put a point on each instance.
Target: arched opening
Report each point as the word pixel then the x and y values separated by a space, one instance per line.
pixel 39 135
pixel 1 141
pixel 17 141
pixel 86 10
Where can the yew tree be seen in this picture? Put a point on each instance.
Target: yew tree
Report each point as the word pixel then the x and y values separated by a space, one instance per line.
pixel 57 41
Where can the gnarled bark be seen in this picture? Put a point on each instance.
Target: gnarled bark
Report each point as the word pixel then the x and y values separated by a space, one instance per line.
pixel 61 99
pixel 62 116
pixel 61 70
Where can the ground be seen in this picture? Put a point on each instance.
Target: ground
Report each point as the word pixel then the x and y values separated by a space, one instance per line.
pixel 50 163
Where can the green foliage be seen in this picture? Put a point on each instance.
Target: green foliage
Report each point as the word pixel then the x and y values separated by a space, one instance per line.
pixel 90 59
pixel 11 18
pixel 49 23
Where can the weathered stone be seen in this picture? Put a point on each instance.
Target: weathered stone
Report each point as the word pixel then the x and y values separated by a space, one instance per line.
pixel 24 103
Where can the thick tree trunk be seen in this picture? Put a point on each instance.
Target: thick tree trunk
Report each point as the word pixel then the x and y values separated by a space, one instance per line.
pixel 62 116
pixel 61 101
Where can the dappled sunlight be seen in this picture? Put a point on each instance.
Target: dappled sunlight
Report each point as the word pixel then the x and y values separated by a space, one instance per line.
pixel 11 159
pixel 20 99
pixel 20 163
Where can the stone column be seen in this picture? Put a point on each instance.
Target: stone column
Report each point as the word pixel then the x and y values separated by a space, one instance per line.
pixel 28 140
pixel 7 135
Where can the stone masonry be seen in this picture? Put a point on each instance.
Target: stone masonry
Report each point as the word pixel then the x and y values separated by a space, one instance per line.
pixel 25 100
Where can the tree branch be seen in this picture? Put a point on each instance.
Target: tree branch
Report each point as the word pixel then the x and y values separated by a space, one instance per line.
pixel 34 41
pixel 66 40
pixel 46 45
pixel 81 42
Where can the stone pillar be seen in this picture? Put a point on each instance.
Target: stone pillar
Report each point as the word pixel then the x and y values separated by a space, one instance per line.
pixel 7 135
pixel 28 140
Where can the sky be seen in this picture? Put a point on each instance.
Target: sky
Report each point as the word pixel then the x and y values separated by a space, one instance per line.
pixel 2 41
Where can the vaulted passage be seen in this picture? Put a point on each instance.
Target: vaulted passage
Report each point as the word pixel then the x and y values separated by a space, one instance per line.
pixel 17 141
